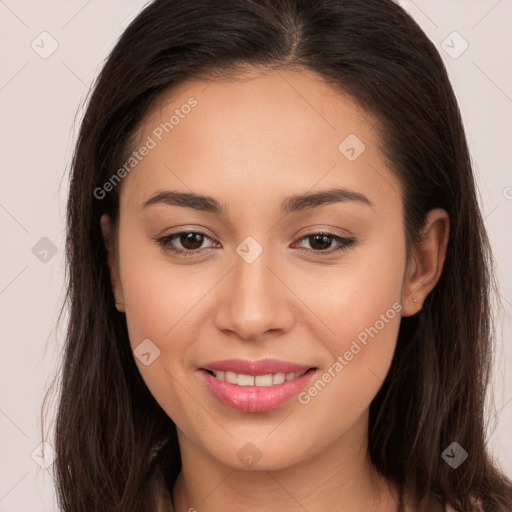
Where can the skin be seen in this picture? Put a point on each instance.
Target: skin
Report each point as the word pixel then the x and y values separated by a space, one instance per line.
pixel 250 144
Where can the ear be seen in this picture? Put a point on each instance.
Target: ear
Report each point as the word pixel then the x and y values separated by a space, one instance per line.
pixel 426 262
pixel 108 230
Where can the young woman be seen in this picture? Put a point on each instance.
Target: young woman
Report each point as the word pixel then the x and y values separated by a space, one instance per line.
pixel 278 272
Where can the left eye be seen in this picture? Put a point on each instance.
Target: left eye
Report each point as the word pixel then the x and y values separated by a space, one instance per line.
pixel 191 242
pixel 320 240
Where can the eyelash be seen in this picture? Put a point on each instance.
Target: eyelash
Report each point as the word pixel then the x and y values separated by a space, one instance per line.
pixel 165 242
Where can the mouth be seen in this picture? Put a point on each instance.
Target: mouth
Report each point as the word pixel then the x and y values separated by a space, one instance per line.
pixel 257 386
pixel 270 379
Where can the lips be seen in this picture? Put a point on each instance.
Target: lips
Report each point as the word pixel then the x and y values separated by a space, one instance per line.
pixel 254 368
pixel 255 386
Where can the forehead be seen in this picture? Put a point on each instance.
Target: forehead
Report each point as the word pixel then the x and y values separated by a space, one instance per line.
pixel 286 129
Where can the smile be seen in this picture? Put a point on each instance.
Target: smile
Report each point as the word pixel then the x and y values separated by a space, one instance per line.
pixel 256 386
pixel 241 379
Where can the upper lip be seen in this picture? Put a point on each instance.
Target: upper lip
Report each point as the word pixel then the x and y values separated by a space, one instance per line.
pixel 254 368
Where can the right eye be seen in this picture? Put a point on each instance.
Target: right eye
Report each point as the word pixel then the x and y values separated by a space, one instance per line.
pixel 190 241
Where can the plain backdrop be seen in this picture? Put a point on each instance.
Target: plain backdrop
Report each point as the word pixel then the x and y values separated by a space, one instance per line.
pixel 51 52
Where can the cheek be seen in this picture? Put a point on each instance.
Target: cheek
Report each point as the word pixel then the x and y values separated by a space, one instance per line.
pixel 362 307
pixel 159 296
pixel 353 295
pixel 162 303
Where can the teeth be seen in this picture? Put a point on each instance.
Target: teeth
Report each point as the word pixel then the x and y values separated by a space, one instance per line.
pixel 260 380
pixel 230 377
pixel 245 380
pixel 263 380
pixel 278 378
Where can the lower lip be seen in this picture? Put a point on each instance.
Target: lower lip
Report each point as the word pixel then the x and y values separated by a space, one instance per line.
pixel 255 398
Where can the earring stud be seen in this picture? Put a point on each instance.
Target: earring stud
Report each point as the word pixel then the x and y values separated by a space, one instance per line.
pixel 415 301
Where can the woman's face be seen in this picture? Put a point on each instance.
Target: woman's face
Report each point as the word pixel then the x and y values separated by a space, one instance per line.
pixel 258 284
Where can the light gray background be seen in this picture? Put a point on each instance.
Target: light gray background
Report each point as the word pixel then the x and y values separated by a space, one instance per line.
pixel 39 102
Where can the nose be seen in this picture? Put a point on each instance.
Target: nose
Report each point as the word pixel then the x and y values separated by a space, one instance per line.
pixel 254 300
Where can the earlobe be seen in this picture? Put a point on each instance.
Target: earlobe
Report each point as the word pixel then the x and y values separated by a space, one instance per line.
pixel 109 238
pixel 426 264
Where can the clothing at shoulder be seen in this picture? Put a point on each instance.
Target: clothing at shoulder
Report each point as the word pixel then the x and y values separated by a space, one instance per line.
pixel 434 506
pixel 162 507
pixel 165 505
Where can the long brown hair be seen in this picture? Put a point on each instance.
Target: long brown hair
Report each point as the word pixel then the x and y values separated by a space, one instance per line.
pixel 111 436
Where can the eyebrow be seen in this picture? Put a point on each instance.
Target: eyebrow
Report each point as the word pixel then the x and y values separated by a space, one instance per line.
pixel 291 204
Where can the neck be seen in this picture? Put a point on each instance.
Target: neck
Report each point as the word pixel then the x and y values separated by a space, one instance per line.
pixel 341 473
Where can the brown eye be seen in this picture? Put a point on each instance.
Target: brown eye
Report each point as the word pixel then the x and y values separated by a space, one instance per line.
pixel 191 241
pixel 184 242
pixel 322 242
